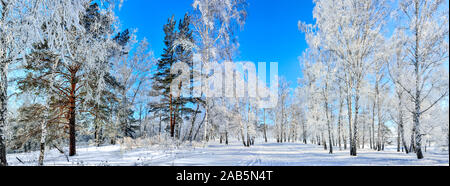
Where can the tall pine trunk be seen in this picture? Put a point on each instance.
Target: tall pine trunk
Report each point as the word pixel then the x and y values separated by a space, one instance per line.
pixel 172 130
pixel 72 116
pixel 177 114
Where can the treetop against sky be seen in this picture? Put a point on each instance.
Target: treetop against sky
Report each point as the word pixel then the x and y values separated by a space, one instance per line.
pixel 269 35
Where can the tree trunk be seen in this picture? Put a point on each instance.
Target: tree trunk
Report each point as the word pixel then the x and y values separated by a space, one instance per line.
pixel 380 125
pixel 178 113
pixel 199 126
pixel 401 131
pixel 226 137
pixel 345 141
pixel 264 125
pixel 172 132
pixel 350 113
pixel 377 98
pixel 305 141
pixel 373 143
pixel 248 139
pixel 42 144
pixel 398 138
pixel 281 124
pixel 355 124
pixel 124 113
pixel 324 142
pixel 242 134
pixel 97 130
pixel 328 125
pixel 72 116
pixel 205 136
pixel 417 99
pixel 448 141
pixel 3 112
pixel 160 124
pixel 193 122
pixel 363 135
pixel 425 148
pixel 339 133
pixel 341 105
pixel 401 124
pixel 418 135
pixel 412 147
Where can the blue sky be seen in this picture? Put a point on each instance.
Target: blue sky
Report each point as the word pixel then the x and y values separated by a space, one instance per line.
pixel 270 33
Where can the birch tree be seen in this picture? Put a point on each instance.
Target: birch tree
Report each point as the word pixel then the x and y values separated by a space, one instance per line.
pixel 426 32
pixel 395 68
pixel 214 23
pixel 350 30
pixel 132 71
pixel 326 80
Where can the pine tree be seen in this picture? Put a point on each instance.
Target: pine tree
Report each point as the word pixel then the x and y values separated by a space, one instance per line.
pixel 184 55
pixel 71 79
pixel 173 107
pixel 162 78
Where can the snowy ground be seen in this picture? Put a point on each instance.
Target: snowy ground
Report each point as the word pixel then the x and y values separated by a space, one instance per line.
pixel 270 154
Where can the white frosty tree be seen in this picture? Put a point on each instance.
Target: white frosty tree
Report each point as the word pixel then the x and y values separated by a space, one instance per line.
pixel 82 66
pixel 12 35
pixel 58 24
pixel 132 71
pixel 424 32
pixel 350 30
pixel 214 23
pixel 21 25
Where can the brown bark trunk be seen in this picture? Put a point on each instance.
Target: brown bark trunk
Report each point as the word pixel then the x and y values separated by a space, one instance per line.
pixel 72 134
pixel 72 107
pixel 177 111
pixel 171 118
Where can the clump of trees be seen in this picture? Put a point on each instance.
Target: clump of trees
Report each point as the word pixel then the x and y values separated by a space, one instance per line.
pixel 75 77
pixel 384 80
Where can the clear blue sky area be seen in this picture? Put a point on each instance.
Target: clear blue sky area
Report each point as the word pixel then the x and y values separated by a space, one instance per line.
pixel 270 34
